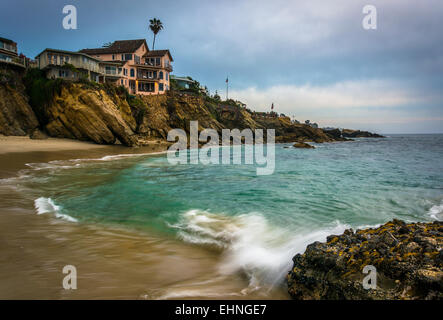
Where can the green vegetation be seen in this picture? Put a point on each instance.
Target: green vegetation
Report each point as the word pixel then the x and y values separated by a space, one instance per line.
pixel 41 91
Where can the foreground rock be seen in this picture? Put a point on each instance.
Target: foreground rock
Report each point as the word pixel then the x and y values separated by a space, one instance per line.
pixel 408 259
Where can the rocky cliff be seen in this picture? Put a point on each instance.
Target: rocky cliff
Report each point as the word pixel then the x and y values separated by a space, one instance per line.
pixel 408 258
pixel 107 115
pixel 16 115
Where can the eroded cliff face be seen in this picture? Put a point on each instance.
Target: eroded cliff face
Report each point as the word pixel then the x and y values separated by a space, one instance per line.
pixel 83 113
pixel 16 115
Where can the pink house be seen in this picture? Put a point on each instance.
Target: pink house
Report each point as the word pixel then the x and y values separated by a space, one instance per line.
pixel 130 63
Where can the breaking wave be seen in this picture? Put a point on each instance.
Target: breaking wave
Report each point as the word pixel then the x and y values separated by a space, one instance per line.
pixel 47 205
pixel 250 243
pixel 436 212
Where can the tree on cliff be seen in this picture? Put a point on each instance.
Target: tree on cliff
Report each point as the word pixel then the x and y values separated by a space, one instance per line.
pixel 155 25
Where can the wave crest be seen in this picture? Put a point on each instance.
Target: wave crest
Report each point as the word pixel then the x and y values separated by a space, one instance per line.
pixel 47 205
pixel 250 243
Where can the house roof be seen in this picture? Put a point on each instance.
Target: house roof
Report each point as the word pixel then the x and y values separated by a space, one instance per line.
pixel 68 52
pixel 118 46
pixel 185 79
pixel 7 40
pixel 158 53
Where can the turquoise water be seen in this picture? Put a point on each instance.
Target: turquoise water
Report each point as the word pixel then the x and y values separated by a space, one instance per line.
pixel 258 221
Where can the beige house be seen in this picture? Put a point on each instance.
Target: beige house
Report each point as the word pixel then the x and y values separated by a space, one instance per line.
pixel 69 65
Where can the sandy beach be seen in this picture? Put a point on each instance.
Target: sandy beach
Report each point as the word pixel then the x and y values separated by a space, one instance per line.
pixel 16 151
pixel 25 144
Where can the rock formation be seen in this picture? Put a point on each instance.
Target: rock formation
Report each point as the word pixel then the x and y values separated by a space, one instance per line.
pixel 348 133
pixel 303 145
pixel 16 115
pixel 408 258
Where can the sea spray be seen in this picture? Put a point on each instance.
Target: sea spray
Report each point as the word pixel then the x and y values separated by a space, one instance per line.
pixel 250 243
pixel 47 205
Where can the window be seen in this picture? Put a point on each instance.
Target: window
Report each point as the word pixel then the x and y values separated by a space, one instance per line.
pixel 167 76
pixel 121 81
pixel 110 70
pixel 132 73
pixel 63 73
pixel 160 75
pixel 136 59
pixel 113 57
pixel 160 87
pixel 125 71
pixel 157 61
pixel 119 70
pixel 126 56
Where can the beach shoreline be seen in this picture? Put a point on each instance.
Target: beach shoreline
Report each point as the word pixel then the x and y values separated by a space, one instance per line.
pixel 17 151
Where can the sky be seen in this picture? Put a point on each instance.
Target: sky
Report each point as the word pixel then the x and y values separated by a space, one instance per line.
pixel 312 59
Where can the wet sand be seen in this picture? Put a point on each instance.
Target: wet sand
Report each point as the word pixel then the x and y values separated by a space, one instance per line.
pixel 111 263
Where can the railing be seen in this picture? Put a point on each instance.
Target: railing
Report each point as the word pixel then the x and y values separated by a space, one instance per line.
pixel 8 47
pixel 112 73
pixel 13 60
pixel 146 77
pixel 166 65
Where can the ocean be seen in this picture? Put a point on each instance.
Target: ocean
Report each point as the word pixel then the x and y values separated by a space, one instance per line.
pixel 250 226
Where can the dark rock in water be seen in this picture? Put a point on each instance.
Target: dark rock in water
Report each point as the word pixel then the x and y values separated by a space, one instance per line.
pixel 348 133
pixel 336 133
pixel 408 259
pixel 303 145
pixel 38 135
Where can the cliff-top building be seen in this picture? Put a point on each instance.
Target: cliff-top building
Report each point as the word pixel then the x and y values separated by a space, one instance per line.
pixel 8 52
pixel 140 70
pixel 126 62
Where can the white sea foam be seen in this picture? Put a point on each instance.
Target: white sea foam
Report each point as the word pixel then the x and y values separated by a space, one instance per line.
pixel 436 211
pixel 250 243
pixel 47 205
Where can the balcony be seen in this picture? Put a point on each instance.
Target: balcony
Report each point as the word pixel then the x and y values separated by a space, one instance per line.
pixel 21 62
pixel 167 67
pixel 8 47
pixel 141 76
pixel 112 73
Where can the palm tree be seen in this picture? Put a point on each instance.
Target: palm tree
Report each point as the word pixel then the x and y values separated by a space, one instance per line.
pixel 155 25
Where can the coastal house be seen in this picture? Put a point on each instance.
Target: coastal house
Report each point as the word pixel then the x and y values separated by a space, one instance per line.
pixel 185 83
pixel 69 65
pixel 8 53
pixel 134 66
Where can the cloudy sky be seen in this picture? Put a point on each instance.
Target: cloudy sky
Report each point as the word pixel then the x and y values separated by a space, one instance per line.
pixel 312 59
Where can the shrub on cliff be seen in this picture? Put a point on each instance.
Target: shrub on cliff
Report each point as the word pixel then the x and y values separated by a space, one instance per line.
pixel 41 91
